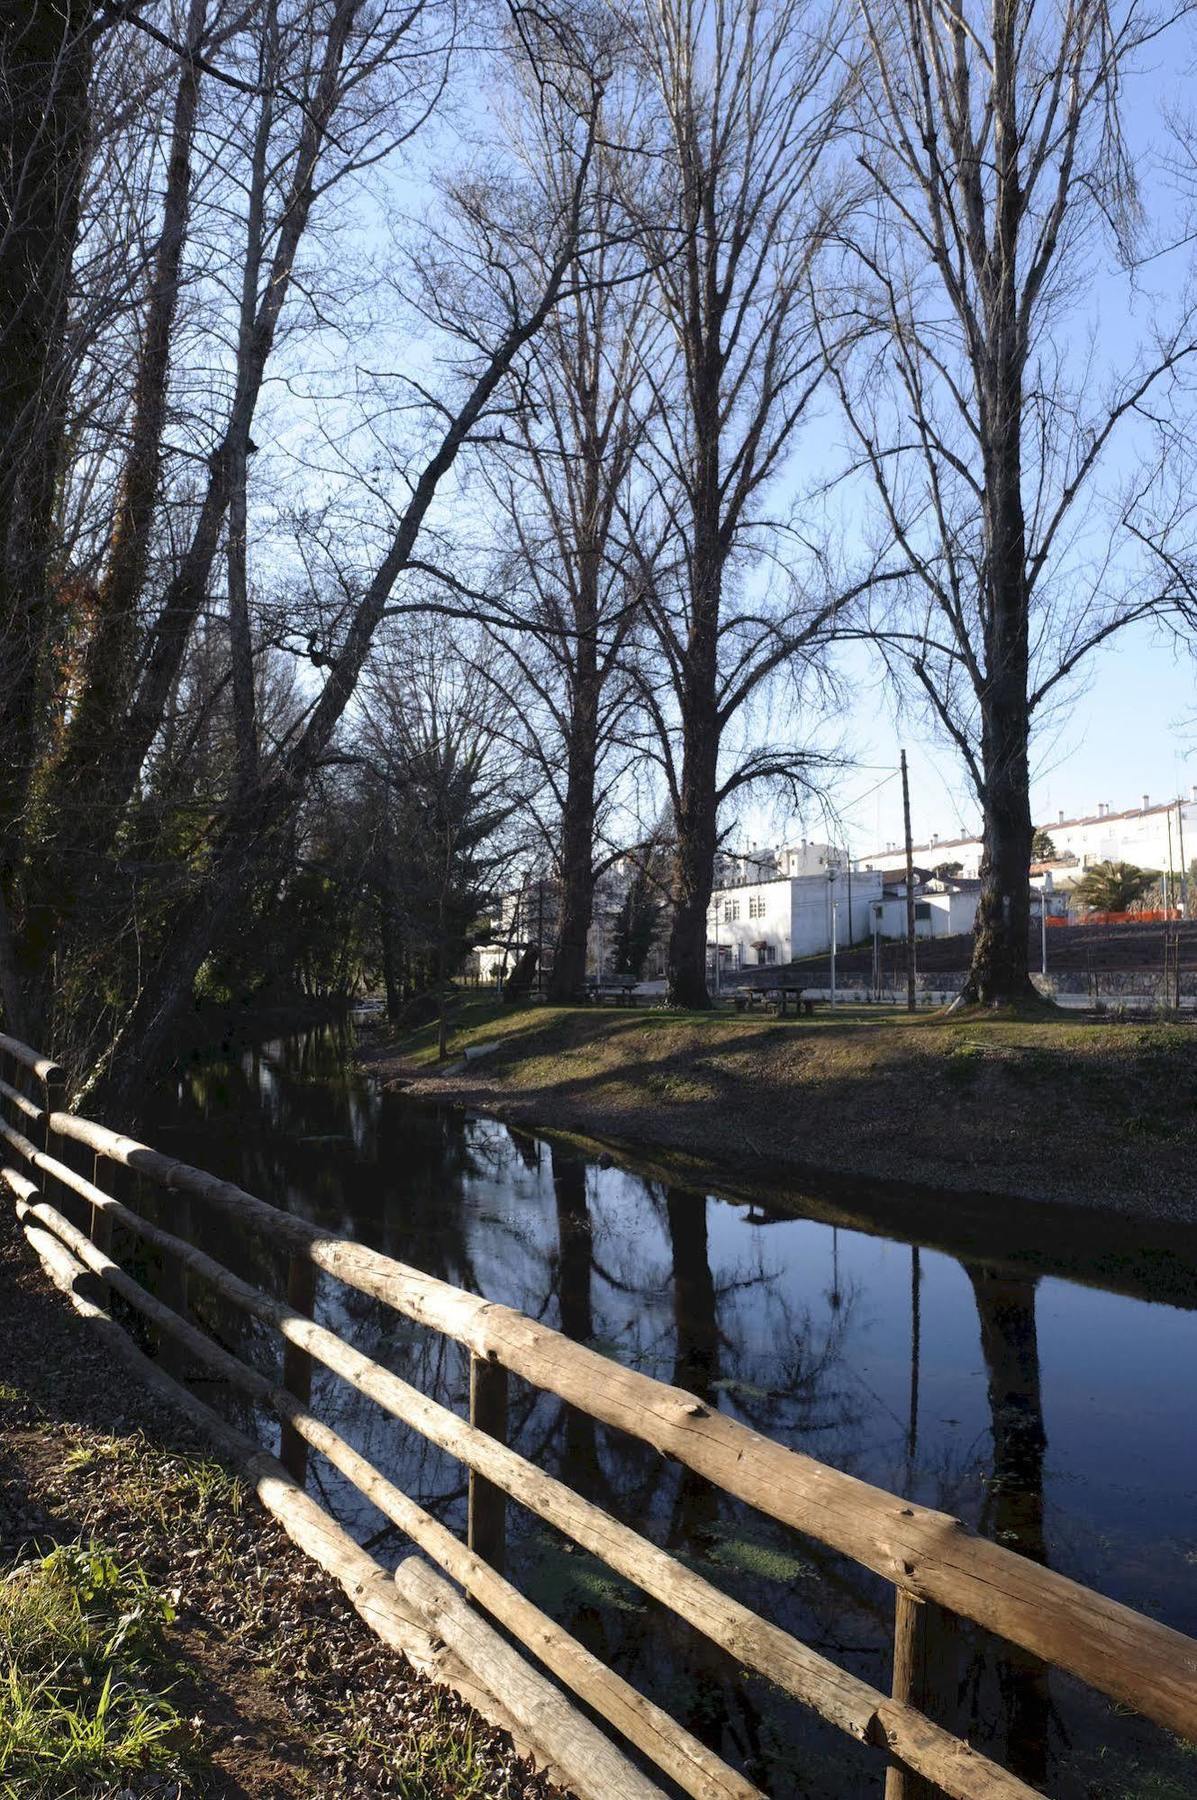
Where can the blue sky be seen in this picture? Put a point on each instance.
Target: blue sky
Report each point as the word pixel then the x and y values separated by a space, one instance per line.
pixel 1131 730
pixel 1130 725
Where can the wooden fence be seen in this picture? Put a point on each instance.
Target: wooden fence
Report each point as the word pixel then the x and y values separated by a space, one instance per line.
pixel 940 1571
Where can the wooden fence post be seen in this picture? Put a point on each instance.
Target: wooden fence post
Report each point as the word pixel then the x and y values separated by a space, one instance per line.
pixel 486 1528
pixel 174 1291
pixel 100 1227
pixel 54 1089
pixel 924 1676
pixel 54 1100
pixel 297 1365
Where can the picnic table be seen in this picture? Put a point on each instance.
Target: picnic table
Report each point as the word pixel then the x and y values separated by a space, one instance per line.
pixel 613 993
pixel 780 992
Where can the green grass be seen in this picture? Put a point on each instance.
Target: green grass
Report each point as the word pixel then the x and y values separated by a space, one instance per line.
pixel 474 1022
pixel 84 1677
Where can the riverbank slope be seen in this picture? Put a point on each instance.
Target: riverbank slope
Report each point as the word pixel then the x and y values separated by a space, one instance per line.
pixel 1093 1113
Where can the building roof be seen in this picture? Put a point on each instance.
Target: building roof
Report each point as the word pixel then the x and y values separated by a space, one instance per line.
pixel 1048 826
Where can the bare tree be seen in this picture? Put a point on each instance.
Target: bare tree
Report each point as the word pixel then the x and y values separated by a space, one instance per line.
pixel 983 409
pixel 45 67
pixel 741 202
pixel 513 304
pixel 433 736
pixel 560 476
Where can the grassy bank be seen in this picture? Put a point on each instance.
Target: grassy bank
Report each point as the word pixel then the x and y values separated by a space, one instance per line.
pixel 1040 1107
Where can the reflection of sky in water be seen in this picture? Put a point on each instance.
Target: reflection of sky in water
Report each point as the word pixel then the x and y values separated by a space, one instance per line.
pixel 804 1331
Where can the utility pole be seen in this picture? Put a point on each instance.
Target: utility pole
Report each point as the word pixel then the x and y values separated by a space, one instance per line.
pixel 1170 878
pixel 910 1001
pixel 1184 868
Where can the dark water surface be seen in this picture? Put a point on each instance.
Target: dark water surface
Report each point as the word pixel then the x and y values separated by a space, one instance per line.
pixel 1053 1412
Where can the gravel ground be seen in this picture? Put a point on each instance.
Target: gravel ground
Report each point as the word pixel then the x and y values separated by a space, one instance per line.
pixel 288 1692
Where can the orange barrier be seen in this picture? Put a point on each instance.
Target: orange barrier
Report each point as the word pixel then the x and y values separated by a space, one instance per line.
pixel 1153 916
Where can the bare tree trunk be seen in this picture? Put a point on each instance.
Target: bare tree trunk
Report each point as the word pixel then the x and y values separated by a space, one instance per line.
pixel 45 66
pixel 568 974
pixel 240 637
pixel 117 773
pixel 109 662
pixel 696 823
pixel 999 973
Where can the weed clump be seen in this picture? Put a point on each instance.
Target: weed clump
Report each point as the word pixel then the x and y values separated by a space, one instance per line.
pixel 84 1676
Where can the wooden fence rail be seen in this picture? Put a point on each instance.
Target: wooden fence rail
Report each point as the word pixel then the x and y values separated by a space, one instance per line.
pixel 939 1570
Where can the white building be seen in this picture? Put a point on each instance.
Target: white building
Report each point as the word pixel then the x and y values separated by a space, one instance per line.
pixel 1163 836
pixel 734 868
pixel 757 923
pixel 941 908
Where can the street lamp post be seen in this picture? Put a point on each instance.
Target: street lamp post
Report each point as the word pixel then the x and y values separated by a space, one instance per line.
pixel 1044 891
pixel 835 907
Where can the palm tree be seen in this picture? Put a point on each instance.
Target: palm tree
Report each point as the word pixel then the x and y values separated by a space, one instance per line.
pixel 1114 886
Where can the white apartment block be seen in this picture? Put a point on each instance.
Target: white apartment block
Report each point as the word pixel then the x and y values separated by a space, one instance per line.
pixel 754 924
pixel 1163 836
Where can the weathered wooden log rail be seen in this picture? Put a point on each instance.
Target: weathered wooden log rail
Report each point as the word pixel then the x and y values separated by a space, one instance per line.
pixel 940 1571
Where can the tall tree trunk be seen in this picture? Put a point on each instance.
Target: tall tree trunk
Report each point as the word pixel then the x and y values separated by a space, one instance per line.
pixel 696 829
pixel 45 67
pixel 109 663
pixel 999 971
pixel 577 832
pixel 586 681
pixel 696 823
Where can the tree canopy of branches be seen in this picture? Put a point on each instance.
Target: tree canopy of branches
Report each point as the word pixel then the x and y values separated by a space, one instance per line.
pixel 565 635
pixel 221 144
pixel 352 565
pixel 741 201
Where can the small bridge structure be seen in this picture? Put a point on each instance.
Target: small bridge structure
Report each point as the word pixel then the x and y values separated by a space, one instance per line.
pixel 65 1175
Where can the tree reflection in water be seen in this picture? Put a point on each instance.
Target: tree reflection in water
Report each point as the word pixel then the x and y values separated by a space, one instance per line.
pixel 1014 1509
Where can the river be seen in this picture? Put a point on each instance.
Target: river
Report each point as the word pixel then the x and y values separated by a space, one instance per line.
pixel 1053 1411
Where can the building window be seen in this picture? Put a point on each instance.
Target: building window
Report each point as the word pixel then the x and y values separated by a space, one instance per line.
pixel 767 953
pixel 756 906
pixel 731 911
pixel 922 909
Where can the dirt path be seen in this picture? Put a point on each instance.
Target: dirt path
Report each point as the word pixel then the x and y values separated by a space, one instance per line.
pixel 286 1691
